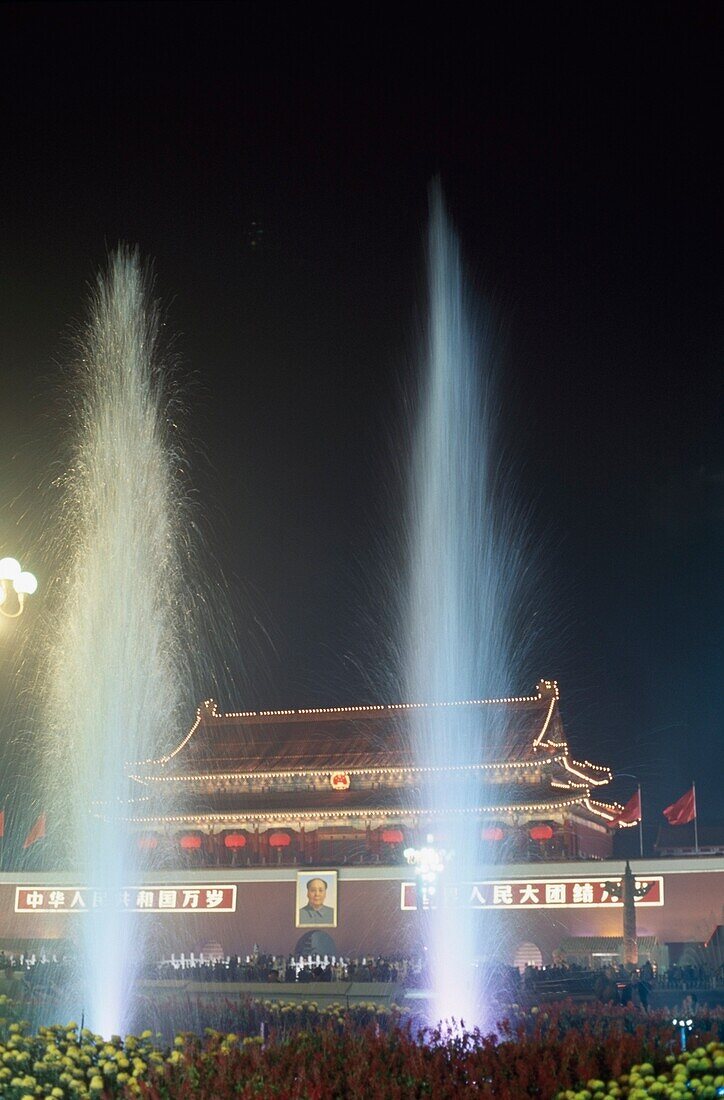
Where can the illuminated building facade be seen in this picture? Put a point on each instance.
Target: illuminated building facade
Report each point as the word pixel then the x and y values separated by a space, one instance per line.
pixel 250 806
pixel 341 786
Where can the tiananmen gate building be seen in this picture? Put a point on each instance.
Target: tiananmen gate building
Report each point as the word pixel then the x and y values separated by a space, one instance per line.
pixel 253 811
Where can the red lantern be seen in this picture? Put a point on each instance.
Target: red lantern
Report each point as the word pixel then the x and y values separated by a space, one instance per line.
pixel 234 840
pixel 392 836
pixel 148 843
pixel 541 832
pixel 280 840
pixel 492 832
pixel 190 841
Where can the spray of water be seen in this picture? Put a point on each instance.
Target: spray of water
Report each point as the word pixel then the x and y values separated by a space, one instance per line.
pixel 465 563
pixel 118 684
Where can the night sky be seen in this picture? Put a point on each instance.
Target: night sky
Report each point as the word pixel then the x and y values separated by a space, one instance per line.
pixel 273 161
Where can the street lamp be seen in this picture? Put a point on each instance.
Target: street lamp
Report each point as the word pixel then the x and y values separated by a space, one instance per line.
pixel 16 584
pixel 428 863
pixel 683 1026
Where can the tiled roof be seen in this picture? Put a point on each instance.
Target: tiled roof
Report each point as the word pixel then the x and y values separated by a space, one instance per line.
pixel 603 945
pixel 360 737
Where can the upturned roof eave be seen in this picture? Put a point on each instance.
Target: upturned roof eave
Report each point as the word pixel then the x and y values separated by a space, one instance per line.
pixel 299 816
pixel 208 715
pixel 238 769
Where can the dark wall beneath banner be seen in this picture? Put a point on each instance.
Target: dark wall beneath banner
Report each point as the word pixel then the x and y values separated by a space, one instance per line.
pixel 369 919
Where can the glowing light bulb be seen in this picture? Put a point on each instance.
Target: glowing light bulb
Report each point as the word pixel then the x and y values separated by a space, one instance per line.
pixel 25 583
pixel 9 569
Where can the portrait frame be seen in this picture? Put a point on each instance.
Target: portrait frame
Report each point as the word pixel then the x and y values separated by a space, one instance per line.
pixel 303 907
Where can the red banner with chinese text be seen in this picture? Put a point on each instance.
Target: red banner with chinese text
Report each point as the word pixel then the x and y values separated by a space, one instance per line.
pixel 137 899
pixel 520 894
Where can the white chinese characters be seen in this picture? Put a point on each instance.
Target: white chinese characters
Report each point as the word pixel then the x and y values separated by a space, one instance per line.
pixel 146 899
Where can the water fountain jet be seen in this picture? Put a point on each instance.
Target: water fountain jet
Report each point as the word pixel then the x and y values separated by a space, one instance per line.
pixel 464 569
pixel 119 683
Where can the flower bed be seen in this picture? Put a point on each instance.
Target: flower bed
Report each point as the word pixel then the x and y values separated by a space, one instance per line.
pixel 565 1053
pixel 692 1074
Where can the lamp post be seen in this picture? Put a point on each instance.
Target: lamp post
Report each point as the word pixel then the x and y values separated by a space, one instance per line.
pixel 428 863
pixel 15 585
pixel 683 1025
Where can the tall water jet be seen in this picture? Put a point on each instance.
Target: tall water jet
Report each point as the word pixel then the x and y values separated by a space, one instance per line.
pixel 464 566
pixel 118 684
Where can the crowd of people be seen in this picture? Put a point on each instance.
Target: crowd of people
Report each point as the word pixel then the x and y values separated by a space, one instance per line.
pixel 686 977
pixel 610 984
pixel 256 967
pixel 616 983
pixel 259 967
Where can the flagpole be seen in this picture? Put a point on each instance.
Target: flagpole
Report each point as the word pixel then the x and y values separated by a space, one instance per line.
pixel 696 822
pixel 641 824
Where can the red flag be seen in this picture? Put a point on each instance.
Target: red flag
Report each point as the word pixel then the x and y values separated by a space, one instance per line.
pixel 631 813
pixel 36 833
pixel 683 810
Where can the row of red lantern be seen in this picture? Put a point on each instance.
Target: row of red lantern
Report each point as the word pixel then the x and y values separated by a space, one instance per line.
pixel 192 841
pixel 536 832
